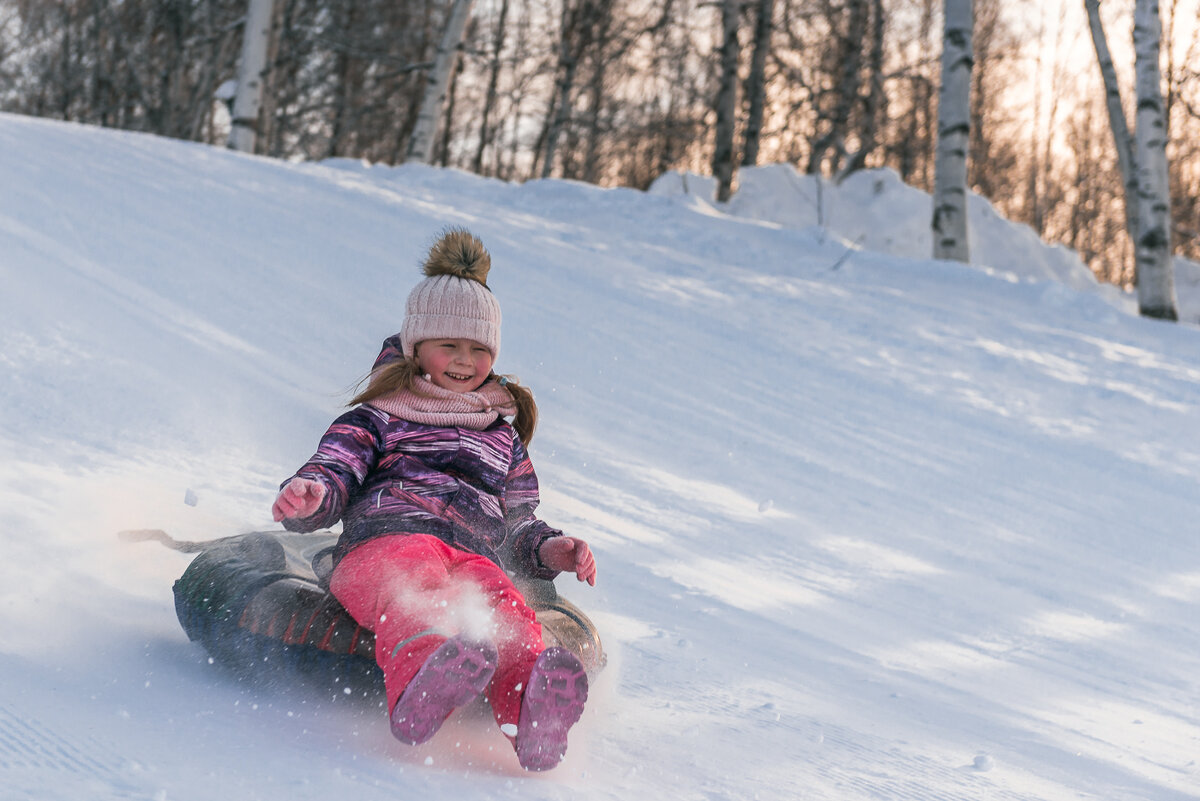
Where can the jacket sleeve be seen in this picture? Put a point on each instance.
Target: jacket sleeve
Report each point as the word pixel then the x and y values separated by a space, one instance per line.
pixel 347 452
pixel 526 533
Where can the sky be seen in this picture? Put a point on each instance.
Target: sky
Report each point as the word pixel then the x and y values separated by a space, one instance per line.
pixel 867 525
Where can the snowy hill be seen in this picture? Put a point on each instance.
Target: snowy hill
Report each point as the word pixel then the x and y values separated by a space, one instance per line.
pixel 867 526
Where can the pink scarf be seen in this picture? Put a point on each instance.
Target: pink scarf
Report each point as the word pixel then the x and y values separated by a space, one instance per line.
pixel 443 407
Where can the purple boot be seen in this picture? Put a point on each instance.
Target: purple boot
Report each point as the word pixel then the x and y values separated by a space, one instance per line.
pixel 552 703
pixel 454 674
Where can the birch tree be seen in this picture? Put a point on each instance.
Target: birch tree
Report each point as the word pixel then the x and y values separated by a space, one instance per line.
pixel 1116 113
pixel 954 128
pixel 256 38
pixel 1152 248
pixel 726 105
pixel 437 82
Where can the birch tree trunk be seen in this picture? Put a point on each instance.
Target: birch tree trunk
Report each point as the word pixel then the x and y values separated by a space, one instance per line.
pixel 1116 115
pixel 756 83
pixel 256 38
pixel 954 128
pixel 1152 248
pixel 437 81
pixel 726 105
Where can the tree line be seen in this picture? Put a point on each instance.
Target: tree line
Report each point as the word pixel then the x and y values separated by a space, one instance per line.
pixel 617 92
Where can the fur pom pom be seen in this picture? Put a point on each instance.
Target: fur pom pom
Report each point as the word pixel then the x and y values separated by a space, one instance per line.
pixel 459 253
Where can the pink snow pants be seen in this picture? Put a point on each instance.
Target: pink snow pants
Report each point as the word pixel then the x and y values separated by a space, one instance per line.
pixel 414 591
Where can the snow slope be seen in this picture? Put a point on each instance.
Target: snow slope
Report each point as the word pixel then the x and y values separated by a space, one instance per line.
pixel 868 527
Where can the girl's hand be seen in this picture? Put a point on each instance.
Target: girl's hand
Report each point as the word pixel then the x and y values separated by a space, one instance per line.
pixel 299 498
pixel 570 555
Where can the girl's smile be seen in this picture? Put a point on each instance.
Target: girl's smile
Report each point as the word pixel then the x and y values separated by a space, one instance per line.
pixel 459 365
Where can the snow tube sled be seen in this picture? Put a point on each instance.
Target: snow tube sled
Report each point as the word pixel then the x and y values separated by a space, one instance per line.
pixel 258 604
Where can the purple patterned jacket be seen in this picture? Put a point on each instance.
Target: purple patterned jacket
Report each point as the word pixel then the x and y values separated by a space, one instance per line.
pixel 474 490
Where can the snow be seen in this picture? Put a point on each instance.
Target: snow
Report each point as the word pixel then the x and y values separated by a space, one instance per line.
pixel 868 525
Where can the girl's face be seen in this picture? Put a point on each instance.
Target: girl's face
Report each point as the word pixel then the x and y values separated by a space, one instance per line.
pixel 459 365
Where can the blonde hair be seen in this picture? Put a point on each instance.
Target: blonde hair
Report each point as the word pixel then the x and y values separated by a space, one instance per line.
pixel 402 373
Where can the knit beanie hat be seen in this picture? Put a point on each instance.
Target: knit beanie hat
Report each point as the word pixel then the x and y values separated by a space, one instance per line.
pixel 453 302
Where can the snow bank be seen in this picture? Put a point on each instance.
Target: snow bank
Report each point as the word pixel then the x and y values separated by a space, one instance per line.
pixel 874 210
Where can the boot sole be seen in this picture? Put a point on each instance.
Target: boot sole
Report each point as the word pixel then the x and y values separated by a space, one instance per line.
pixel 457 672
pixel 552 704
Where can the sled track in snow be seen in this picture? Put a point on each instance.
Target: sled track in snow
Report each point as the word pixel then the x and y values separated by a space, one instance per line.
pixel 30 751
pixel 28 744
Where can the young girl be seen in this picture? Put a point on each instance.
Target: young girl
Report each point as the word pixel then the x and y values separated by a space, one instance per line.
pixel 436 495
